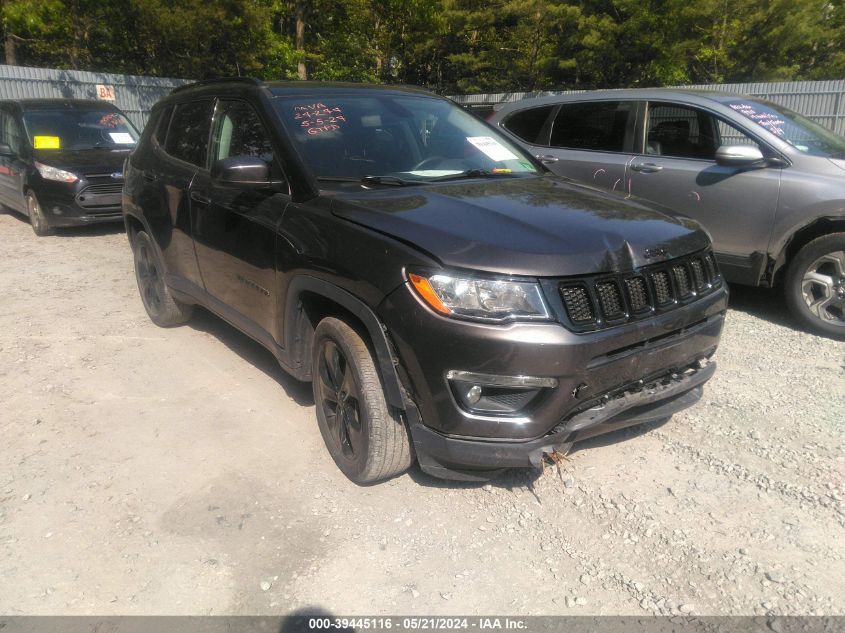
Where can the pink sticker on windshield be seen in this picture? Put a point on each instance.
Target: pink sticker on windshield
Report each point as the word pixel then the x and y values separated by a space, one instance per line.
pixel 112 119
pixel 767 120
pixel 318 118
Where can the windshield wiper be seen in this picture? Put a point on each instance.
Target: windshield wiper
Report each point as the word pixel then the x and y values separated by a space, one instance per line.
pixel 97 147
pixel 386 180
pixel 471 173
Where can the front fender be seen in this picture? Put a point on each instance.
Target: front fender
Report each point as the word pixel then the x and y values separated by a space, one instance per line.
pixel 294 343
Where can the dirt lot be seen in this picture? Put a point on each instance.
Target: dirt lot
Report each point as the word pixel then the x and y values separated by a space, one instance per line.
pixel 148 471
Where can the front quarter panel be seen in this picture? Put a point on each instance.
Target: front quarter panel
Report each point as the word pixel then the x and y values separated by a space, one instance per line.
pixel 312 241
pixel 811 189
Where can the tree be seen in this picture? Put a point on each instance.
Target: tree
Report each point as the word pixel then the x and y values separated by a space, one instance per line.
pixel 449 45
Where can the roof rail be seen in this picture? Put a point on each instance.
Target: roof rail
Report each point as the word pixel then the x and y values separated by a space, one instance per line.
pixel 203 82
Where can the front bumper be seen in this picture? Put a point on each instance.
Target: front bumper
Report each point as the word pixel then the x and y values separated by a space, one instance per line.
pixel 64 205
pixel 588 367
pixel 474 459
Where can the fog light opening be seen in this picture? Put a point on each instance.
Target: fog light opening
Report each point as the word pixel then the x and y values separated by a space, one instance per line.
pixel 473 394
pixel 495 394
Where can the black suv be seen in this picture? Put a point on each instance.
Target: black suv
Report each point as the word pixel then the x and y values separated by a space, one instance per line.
pixel 61 160
pixel 449 298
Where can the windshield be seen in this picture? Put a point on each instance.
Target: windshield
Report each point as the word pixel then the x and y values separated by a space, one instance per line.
pixel 79 129
pixel 396 138
pixel 799 131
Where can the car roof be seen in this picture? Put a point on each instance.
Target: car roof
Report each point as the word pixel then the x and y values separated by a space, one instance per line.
pixel 288 88
pixel 690 95
pixel 280 88
pixel 54 104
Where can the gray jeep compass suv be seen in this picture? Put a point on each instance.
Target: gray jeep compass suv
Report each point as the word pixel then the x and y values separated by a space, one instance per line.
pixel 450 300
pixel 766 182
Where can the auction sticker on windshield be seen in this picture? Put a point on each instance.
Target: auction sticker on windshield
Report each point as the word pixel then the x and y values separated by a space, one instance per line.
pixel 46 142
pixel 121 138
pixel 492 148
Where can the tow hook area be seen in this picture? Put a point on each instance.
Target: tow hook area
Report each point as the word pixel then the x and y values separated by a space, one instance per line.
pixel 554 454
pixel 638 393
pixel 612 406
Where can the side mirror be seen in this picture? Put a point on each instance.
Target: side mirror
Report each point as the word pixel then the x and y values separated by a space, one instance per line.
pixel 738 155
pixel 5 150
pixel 241 170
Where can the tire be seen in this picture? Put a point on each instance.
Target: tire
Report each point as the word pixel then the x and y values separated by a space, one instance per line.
pixel 39 223
pixel 368 440
pixel 815 286
pixel 163 309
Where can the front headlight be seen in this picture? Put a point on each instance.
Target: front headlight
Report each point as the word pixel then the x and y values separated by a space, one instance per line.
pixel 54 173
pixel 481 299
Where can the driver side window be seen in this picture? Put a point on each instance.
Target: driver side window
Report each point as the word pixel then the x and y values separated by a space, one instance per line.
pixel 680 131
pixel 238 132
pixel 10 132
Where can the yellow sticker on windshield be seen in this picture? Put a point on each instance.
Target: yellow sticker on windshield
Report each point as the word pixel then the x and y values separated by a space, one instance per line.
pixel 46 142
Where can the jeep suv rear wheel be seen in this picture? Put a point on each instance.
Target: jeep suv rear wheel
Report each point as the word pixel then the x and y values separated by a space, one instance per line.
pixel 815 285
pixel 366 438
pixel 159 303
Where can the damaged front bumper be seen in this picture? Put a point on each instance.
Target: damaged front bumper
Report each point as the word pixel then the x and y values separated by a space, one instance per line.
pixel 644 401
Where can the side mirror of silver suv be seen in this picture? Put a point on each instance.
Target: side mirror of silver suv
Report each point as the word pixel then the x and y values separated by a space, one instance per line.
pixel 738 155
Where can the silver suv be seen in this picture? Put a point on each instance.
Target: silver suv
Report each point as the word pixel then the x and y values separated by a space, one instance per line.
pixel 768 183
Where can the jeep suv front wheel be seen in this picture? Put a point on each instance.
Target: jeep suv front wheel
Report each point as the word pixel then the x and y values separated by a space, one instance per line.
pixel 365 436
pixel 815 285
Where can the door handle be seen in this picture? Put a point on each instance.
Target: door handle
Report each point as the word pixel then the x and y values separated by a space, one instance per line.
pixel 197 197
pixel 547 159
pixel 149 177
pixel 646 168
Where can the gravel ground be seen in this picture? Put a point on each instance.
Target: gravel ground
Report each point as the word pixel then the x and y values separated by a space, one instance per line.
pixel 151 471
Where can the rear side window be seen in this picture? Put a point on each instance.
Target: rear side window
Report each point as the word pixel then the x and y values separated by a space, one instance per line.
pixel 188 136
pixel 527 124
pixel 162 124
pixel 592 125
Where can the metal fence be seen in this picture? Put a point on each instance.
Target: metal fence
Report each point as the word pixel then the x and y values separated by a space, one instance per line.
pixel 133 94
pixel 822 101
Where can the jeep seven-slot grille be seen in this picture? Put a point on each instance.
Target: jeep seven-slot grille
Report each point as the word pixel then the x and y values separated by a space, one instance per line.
pixel 604 301
pixel 662 287
pixel 578 304
pixel 637 294
pixel 681 275
pixel 698 274
pixel 610 299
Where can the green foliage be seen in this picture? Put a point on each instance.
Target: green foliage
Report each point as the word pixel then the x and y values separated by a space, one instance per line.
pixel 449 45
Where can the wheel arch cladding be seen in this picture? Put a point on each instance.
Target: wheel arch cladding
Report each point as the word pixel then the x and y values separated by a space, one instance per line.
pixel 133 226
pixel 309 299
pixel 802 237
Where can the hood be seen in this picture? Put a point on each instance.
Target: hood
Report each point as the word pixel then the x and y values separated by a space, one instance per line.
pixel 539 226
pixel 838 162
pixel 94 161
